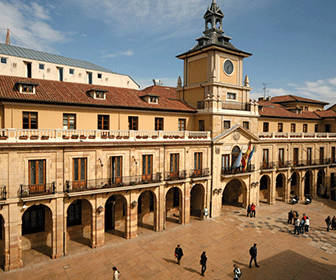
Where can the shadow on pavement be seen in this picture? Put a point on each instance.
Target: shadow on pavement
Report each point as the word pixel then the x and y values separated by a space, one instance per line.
pixel 191 270
pixel 170 261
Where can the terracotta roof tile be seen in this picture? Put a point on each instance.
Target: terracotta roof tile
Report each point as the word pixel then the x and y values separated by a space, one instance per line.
pixel 326 114
pixel 294 98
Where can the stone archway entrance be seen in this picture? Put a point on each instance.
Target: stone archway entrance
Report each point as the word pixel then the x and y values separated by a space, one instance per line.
pixel 197 201
pixel 79 223
pixel 308 183
pixel 264 188
pixel 295 181
pixel 2 242
pixel 37 232
pixel 115 216
pixel 174 205
pixel 234 193
pixel 321 184
pixel 147 210
pixel 280 186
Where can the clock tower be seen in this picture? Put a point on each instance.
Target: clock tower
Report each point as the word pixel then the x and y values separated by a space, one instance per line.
pixel 213 79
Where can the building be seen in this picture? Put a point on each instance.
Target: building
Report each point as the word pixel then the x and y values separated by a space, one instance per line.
pixel 83 161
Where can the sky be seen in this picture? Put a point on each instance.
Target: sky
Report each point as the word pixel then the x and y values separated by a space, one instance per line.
pixel 293 42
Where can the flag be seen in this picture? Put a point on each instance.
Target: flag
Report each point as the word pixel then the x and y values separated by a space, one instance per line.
pixel 251 155
pixel 238 160
pixel 246 156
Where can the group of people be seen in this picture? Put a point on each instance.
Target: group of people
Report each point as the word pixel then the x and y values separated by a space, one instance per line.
pixel 251 210
pixel 178 253
pixel 300 225
pixel 331 223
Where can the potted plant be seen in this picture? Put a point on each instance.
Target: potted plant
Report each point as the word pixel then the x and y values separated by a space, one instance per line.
pixel 65 137
pixel 111 136
pixel 138 137
pixel 119 137
pixel 154 137
pixel 44 137
pixel 103 136
pixel 34 137
pixel 92 136
pixel 145 137
pixel 3 137
pixel 126 137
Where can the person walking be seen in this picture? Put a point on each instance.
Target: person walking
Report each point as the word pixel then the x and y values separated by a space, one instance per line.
pixel 116 273
pixel 236 272
pixel 302 223
pixel 178 254
pixel 248 210
pixel 203 262
pixel 253 253
pixel 253 210
pixel 328 222
pixel 297 226
pixel 333 223
pixel 307 223
pixel 290 217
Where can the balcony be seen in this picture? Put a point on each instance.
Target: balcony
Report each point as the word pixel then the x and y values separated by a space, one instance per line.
pixel 3 193
pixel 124 181
pixel 199 173
pixel 239 170
pixel 37 190
pixel 283 164
pixel 310 163
pixel 295 136
pixel 228 106
pixel 180 175
pixel 62 135
pixel 266 165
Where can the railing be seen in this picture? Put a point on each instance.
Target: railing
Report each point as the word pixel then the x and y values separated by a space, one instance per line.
pixel 197 173
pixel 37 190
pixel 283 164
pixel 77 186
pixel 240 170
pixel 63 135
pixel 265 165
pixel 236 106
pixel 287 135
pixel 3 193
pixel 179 175
pixel 305 163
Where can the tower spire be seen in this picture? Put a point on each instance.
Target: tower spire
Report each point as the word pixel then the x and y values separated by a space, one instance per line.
pixel 8 37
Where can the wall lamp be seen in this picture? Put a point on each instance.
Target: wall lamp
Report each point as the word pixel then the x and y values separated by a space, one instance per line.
pixel 100 209
pixel 217 191
pixel 100 162
pixel 134 203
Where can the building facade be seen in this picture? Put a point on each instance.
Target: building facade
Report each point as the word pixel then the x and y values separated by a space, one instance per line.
pixel 85 161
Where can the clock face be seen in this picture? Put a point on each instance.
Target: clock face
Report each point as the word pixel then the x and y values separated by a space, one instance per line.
pixel 228 67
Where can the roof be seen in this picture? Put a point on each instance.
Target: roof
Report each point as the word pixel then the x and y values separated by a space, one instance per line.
pixel 294 98
pixel 326 114
pixel 52 58
pixel 61 93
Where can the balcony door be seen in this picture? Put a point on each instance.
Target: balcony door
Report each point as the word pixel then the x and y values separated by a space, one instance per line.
pixel 198 162
pixel 37 176
pixel 174 165
pixel 226 162
pixel 309 156
pixel 147 167
pixel 321 155
pixel 281 157
pixel 116 168
pixel 79 173
pixel 265 158
pixel 296 156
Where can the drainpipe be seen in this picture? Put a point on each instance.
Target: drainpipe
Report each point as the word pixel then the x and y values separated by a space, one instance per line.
pixel 211 172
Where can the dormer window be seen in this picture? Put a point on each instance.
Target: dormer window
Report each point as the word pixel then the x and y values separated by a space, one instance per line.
pixel 153 99
pixel 100 94
pixel 26 87
pixel 97 93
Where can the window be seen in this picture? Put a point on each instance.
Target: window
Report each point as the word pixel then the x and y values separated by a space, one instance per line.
pixel 246 125
pixel 158 123
pixel 333 154
pixel 89 77
pixel 27 88
pixel 265 127
pixel 198 161
pixel 132 123
pixel 99 75
pixel 327 128
pixel 201 125
pixel 306 108
pixel 36 175
pixel 103 122
pixel 79 173
pixel 265 158
pixel 74 217
pixel 227 124
pixel 293 127
pixel 60 74
pixel 321 155
pixel 99 94
pixel 174 165
pixel 147 167
pixel 28 69
pixel 226 162
pixel 41 66
pixel 309 156
pixel 296 156
pixel 305 128
pixel 281 157
pixel 71 71
pixel 116 168
pixel 231 96
pixel 316 127
pixel 280 127
pixel 153 99
pixel 4 60
pixel 181 124
pixel 69 121
pixel 29 120
pixel 33 220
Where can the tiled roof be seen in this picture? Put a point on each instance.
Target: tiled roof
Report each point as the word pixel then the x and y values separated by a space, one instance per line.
pixel 326 114
pixel 294 98
pixel 74 93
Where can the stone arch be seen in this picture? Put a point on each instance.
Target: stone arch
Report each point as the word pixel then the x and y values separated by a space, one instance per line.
pixel 218 23
pixel 208 24
pixel 234 154
pixel 115 220
pixel 280 186
pixel 37 229
pixel 197 200
pixel 308 183
pixel 321 187
pixel 79 222
pixel 2 242
pixel 295 184
pixel 147 209
pixel 235 193
pixel 174 205
pixel 264 188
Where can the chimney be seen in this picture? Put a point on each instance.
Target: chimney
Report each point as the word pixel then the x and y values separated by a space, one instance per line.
pixel 157 82
pixel 7 37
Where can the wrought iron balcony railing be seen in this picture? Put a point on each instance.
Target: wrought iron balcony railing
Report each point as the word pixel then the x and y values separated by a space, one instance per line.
pixel 240 170
pixel 3 193
pixel 179 175
pixel 196 173
pixel 305 163
pixel 265 165
pixel 283 164
pixel 37 190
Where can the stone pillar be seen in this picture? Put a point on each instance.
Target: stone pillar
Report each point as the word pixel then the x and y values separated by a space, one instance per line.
pixel 58 230
pixel 132 217
pixel 99 222
pixel 301 186
pixel 314 184
pixel 287 186
pixel 187 189
pixel 272 190
pixel 182 206
pixel 161 208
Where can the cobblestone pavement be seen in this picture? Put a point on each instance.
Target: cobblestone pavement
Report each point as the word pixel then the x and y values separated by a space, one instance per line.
pixel 226 240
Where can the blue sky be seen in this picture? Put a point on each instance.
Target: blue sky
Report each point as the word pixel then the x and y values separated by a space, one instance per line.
pixel 293 42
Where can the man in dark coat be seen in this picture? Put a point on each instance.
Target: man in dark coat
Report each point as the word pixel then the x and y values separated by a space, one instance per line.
pixel 328 222
pixel 203 263
pixel 253 254
pixel 290 217
pixel 178 254
pixel 248 210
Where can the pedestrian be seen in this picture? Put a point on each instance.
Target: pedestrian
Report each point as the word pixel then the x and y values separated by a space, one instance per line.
pixel 248 210
pixel 178 254
pixel 328 222
pixel 333 223
pixel 116 273
pixel 203 263
pixel 253 253
pixel 205 212
pixel 302 223
pixel 253 210
pixel 290 217
pixel 307 224
pixel 236 272
pixel 297 226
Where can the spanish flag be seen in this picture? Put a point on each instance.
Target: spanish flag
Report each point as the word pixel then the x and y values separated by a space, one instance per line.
pixel 246 156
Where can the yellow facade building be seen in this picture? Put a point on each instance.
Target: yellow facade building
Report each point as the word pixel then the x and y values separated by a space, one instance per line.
pixel 83 161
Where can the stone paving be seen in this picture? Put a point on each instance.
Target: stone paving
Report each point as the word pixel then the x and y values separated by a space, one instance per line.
pixel 226 240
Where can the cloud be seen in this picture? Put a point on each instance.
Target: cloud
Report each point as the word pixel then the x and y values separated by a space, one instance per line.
pixel 29 25
pixel 117 54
